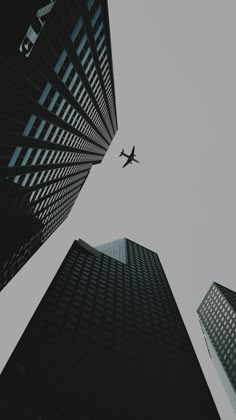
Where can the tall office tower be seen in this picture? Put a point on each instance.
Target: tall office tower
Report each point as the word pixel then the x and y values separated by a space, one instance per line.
pixel 106 342
pixel 217 314
pixel 57 116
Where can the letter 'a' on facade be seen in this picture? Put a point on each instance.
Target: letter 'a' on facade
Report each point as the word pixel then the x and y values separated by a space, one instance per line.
pixel 57 116
pixel 106 342
pixel 217 315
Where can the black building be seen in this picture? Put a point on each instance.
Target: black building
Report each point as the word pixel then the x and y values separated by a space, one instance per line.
pixel 57 116
pixel 106 342
pixel 217 314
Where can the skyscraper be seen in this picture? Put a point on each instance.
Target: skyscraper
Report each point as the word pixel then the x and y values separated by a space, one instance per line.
pixel 57 116
pixel 106 342
pixel 217 314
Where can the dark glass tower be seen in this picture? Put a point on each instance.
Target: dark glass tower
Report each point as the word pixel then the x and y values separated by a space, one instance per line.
pixel 57 116
pixel 217 314
pixel 106 342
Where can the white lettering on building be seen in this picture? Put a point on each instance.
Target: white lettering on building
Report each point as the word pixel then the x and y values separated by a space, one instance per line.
pixel 32 34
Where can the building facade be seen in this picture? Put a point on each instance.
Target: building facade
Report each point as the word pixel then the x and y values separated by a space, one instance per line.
pixel 217 314
pixel 106 342
pixel 57 116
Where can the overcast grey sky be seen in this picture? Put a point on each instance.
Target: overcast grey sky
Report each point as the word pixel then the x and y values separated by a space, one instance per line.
pixel 174 68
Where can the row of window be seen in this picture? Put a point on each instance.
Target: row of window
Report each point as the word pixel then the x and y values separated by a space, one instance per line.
pixel 50 94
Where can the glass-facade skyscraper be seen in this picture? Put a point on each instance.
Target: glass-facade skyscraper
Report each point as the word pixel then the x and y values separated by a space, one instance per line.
pixel 106 342
pixel 57 116
pixel 217 314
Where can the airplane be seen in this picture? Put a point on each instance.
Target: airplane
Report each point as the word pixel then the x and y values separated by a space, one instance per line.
pixel 130 157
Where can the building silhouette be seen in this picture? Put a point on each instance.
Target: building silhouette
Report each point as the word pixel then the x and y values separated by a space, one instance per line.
pixel 217 314
pixel 57 116
pixel 106 342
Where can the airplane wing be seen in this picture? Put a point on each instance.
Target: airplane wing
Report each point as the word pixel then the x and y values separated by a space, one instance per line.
pixel 132 152
pixel 126 163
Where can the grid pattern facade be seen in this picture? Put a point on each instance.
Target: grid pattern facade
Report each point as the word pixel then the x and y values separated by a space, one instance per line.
pixel 217 314
pixel 57 108
pixel 114 249
pixel 107 341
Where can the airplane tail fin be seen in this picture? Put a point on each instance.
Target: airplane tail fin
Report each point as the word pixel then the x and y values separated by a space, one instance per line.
pixel 121 153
